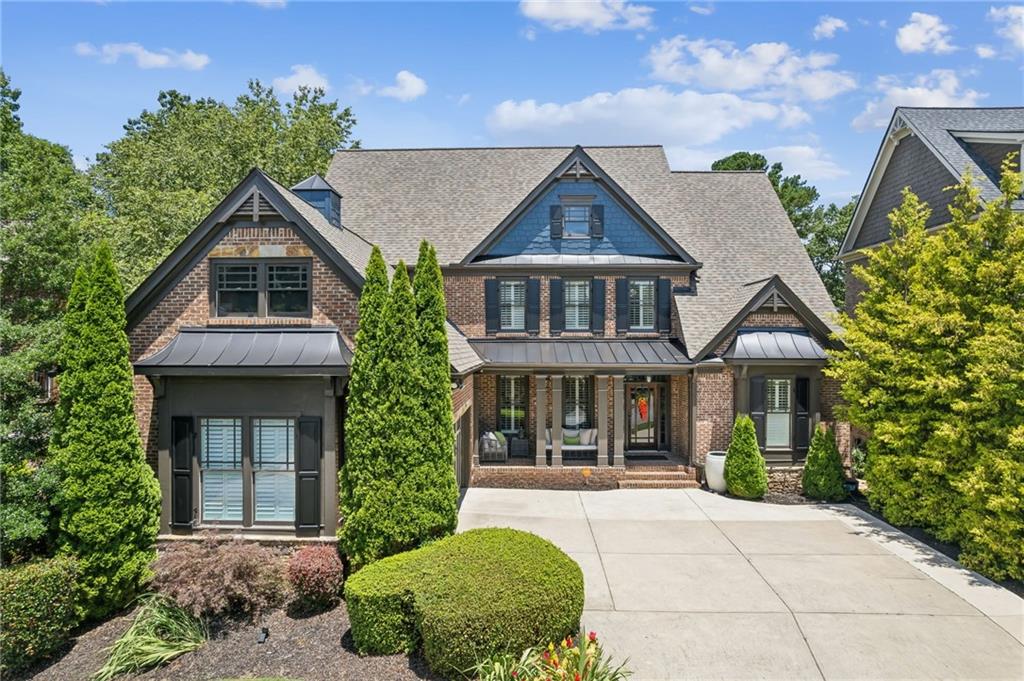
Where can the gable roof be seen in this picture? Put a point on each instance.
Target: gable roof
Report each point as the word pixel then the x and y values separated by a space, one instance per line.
pixel 941 130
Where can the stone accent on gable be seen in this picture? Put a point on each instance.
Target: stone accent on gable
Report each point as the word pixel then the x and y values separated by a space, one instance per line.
pixel 187 303
pixel 623 235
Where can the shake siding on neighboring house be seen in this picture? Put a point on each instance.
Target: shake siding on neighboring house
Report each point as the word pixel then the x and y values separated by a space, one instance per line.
pixel 606 315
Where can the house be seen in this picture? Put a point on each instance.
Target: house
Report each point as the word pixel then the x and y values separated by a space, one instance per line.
pixel 930 150
pixel 608 317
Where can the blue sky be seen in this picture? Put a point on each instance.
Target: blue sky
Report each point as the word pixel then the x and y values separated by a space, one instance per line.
pixel 810 84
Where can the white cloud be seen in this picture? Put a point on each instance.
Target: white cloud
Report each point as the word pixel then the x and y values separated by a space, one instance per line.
pixel 632 115
pixel 110 53
pixel 270 4
pixel 302 75
pixel 924 33
pixel 703 10
pixel 940 87
pixel 408 86
pixel 1011 23
pixel 827 26
pixel 769 69
pixel 984 51
pixel 589 16
pixel 812 163
pixel 530 33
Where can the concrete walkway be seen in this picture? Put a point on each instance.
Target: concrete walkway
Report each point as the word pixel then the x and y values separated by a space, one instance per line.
pixel 691 585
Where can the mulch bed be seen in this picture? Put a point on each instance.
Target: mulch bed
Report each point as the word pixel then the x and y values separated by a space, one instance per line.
pixel 313 648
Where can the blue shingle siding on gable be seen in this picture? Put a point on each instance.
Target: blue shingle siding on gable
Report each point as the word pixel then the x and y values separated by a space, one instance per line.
pixel 531 235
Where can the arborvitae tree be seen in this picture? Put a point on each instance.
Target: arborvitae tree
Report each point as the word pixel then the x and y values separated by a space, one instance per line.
pixel 109 498
pixel 745 473
pixel 439 493
pixel 364 453
pixel 72 327
pixel 823 470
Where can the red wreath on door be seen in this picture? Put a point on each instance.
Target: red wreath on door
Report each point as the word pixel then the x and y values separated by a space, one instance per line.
pixel 641 407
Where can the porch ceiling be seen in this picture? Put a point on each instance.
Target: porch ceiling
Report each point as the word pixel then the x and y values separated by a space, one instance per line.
pixel 607 355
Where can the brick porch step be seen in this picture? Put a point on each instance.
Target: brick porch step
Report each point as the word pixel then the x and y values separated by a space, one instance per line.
pixel 659 477
pixel 658 484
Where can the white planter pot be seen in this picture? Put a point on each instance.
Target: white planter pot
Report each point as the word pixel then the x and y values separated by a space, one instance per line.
pixel 714 471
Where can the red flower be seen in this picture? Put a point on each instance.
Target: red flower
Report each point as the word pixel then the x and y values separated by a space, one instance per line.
pixel 593 636
pixel 577 678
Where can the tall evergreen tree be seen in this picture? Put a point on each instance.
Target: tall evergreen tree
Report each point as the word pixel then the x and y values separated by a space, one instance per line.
pixel 365 461
pixel 109 498
pixel 439 491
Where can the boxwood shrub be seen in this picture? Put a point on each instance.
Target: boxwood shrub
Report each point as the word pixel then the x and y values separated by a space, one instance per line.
pixel 465 598
pixel 37 607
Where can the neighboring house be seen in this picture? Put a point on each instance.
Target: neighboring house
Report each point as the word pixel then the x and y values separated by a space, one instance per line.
pixel 643 308
pixel 929 150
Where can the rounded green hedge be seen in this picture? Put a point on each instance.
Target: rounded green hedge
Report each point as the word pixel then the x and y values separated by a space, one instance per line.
pixel 823 471
pixel 466 597
pixel 37 606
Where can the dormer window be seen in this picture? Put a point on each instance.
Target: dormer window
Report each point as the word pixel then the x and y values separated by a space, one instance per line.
pixel 577 217
pixel 576 221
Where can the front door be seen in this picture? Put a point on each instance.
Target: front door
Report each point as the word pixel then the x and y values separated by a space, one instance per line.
pixel 644 412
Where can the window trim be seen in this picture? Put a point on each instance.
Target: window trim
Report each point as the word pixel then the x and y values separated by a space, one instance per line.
pixel 654 304
pixel 262 290
pixel 791 379
pixel 525 402
pixel 201 520
pixel 588 283
pixel 567 204
pixel 526 303
pixel 253 470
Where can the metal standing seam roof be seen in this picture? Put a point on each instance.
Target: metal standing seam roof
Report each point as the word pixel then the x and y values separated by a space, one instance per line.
pixel 234 351
pixel 774 345
pixel 592 354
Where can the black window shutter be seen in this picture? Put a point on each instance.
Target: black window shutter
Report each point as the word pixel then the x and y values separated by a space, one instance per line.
pixel 622 305
pixel 597 221
pixel 182 451
pixel 664 304
pixel 491 304
pixel 597 305
pixel 533 305
pixel 757 400
pixel 802 417
pixel 307 474
pixel 556 222
pixel 557 319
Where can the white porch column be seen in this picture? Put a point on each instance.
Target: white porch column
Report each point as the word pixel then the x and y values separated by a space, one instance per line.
pixel 556 421
pixel 619 420
pixel 602 421
pixel 541 457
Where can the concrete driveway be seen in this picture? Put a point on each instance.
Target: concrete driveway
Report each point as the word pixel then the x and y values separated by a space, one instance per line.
pixel 692 585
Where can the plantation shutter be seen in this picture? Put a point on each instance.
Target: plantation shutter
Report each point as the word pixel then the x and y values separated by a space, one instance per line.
pixel 597 221
pixel 491 305
pixel 621 304
pixel 556 222
pixel 307 474
pixel 182 451
pixel 802 415
pixel 664 304
pixel 533 305
pixel 597 305
pixel 557 296
pixel 757 413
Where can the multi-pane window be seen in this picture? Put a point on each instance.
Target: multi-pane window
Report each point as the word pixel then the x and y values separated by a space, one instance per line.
pixel 273 464
pixel 577 304
pixel 577 402
pixel 261 289
pixel 511 403
pixel 220 452
pixel 512 304
pixel 778 406
pixel 641 304
pixel 575 220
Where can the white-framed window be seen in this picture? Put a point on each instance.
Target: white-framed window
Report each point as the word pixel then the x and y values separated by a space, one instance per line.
pixel 641 304
pixel 512 304
pixel 576 293
pixel 511 403
pixel 577 401
pixel 778 412
pixel 220 457
pixel 575 220
pixel 273 464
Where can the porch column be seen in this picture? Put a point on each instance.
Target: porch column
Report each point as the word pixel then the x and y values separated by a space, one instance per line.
pixel 556 421
pixel 602 421
pixel 541 457
pixel 329 467
pixel 619 420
